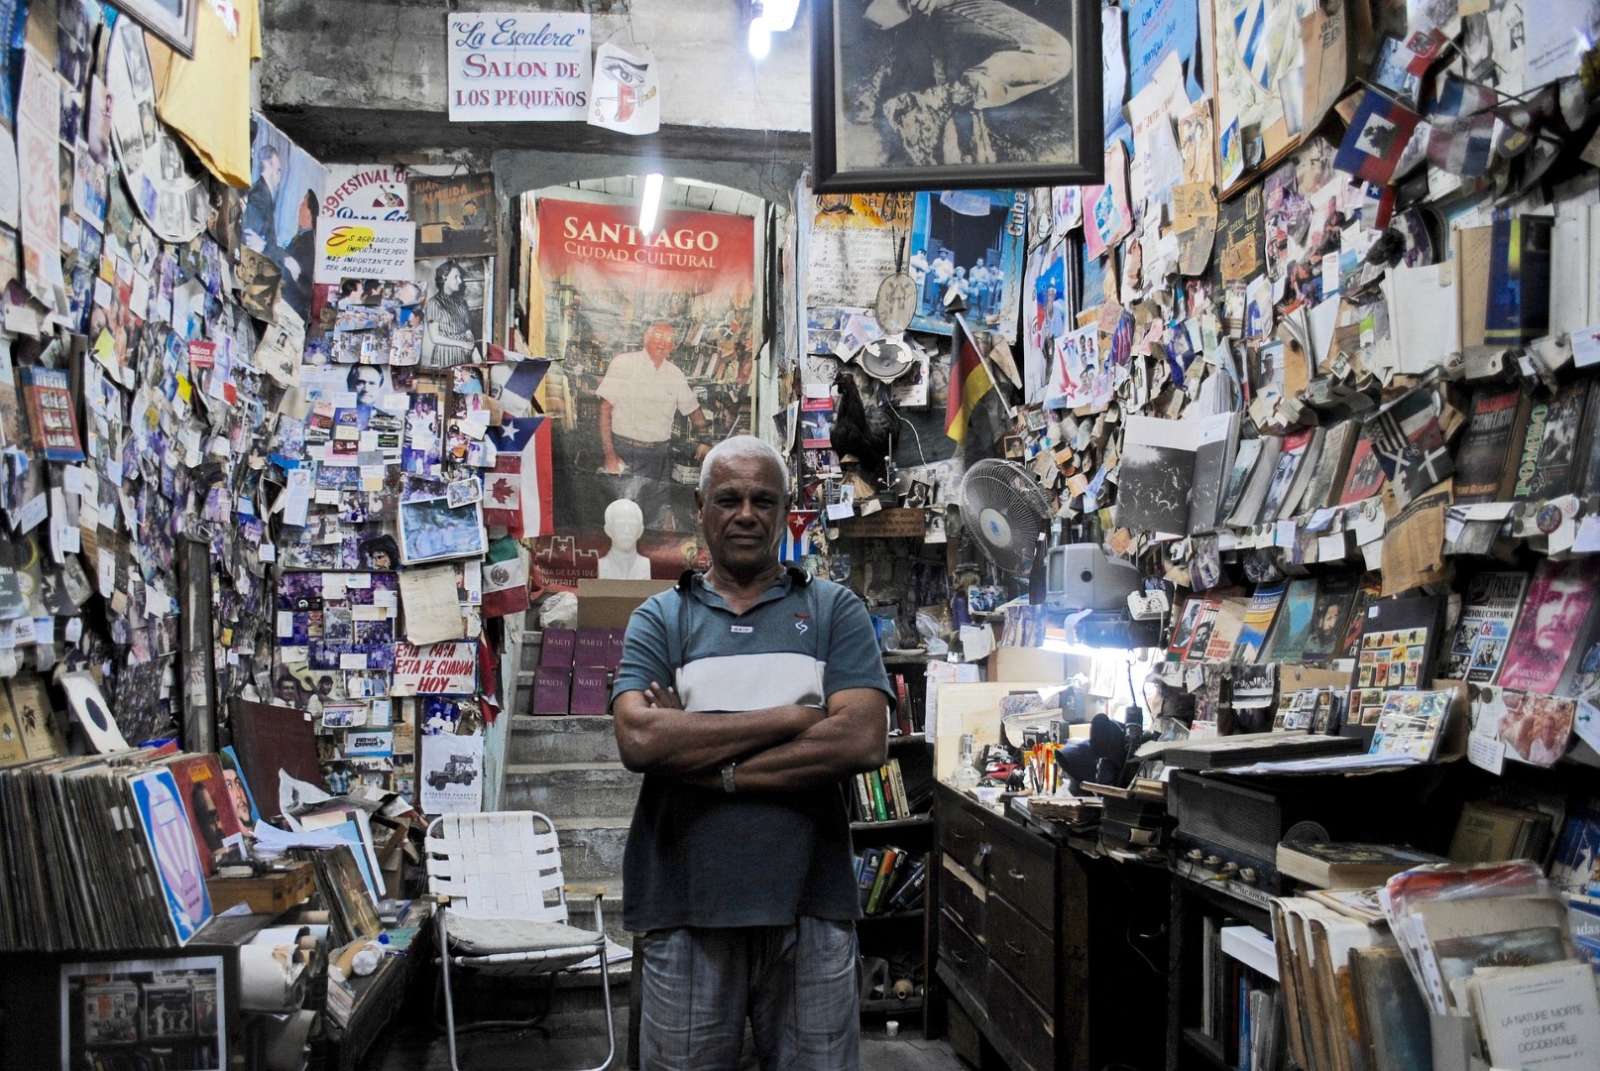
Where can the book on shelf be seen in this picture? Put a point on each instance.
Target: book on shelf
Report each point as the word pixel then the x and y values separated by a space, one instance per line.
pixel 1244 462
pixel 1172 472
pixel 1486 468
pixel 1483 631
pixel 1289 474
pixel 1258 618
pixel 867 864
pixel 1575 867
pixel 886 867
pixel 1365 476
pixel 1329 617
pixel 1192 629
pixel 1527 454
pixel 1333 462
pixel 891 808
pixel 1247 506
pixel 900 798
pixel 1554 618
pixel 1390 1013
pixel 1292 628
pixel 1555 472
pixel 1538 1016
pixel 1347 865
pixel 1489 832
pixel 880 805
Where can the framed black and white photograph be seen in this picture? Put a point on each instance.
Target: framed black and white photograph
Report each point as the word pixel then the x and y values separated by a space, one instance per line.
pixel 940 94
pixel 170 20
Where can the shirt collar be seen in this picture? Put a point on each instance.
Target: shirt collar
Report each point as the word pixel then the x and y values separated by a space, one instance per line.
pixel 693 582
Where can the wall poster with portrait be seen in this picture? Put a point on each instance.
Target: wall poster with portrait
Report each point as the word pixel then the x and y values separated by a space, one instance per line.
pixel 653 340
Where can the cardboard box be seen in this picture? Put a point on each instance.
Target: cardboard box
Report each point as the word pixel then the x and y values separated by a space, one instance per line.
pixel 609 603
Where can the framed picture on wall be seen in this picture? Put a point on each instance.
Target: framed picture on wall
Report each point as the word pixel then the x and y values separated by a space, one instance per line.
pixel 170 20
pixel 942 94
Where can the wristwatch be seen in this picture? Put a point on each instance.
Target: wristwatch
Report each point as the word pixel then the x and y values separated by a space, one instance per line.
pixel 727 778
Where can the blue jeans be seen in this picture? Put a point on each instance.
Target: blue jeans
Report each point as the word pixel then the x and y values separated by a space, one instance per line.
pixel 796 984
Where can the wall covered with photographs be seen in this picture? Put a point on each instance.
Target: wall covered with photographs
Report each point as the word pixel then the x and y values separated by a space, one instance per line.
pixel 264 471
pixel 1319 342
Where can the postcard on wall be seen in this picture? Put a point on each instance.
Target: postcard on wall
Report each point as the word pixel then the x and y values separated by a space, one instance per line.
pixel 432 530
pixel 454 214
pixel 365 249
pixel 451 774
pixel 972 242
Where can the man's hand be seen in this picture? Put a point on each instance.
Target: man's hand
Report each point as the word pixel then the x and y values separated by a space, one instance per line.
pixel 662 698
pixel 612 465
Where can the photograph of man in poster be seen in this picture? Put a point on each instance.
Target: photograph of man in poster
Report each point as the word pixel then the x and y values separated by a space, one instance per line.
pixel 641 395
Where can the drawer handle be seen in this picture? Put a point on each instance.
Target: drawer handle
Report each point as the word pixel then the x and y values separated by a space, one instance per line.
pixel 956 834
pixel 1016 948
pixel 1016 875
pixel 959 958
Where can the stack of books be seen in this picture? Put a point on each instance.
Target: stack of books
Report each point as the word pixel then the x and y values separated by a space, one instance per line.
pixel 891 879
pixel 881 794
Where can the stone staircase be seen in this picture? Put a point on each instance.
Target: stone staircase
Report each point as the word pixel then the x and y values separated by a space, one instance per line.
pixel 567 768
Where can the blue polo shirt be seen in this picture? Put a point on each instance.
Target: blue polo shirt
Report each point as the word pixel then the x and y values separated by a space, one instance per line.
pixel 700 857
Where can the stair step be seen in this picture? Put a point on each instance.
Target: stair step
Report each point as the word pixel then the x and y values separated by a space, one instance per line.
pixel 572 738
pixel 592 848
pixel 571 790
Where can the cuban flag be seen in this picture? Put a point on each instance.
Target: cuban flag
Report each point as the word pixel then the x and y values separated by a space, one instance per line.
pixel 797 546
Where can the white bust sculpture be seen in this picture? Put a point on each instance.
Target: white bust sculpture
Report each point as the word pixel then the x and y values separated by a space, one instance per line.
pixel 624 526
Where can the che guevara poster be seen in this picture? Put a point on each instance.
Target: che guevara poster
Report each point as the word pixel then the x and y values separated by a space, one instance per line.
pixel 653 340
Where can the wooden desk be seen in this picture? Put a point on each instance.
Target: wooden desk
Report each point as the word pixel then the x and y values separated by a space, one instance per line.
pixel 1056 956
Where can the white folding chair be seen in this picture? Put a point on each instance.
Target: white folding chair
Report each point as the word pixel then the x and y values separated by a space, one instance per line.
pixel 503 907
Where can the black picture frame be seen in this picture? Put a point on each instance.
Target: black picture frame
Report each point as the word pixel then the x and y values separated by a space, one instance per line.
pixel 1087 139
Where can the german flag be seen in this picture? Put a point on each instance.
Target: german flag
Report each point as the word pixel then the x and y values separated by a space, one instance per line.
pixel 969 382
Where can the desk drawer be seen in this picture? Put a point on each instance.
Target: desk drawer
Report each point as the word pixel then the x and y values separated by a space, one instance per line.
pixel 962 836
pixel 962 952
pixel 1030 1029
pixel 1023 949
pixel 1026 880
pixel 962 895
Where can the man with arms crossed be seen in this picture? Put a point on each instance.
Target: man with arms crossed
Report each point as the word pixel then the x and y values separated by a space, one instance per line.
pixel 746 696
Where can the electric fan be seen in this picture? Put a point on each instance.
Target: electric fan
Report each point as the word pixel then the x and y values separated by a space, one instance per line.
pixel 1006 510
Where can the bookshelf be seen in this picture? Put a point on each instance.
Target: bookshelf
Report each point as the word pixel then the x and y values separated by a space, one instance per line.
pixel 898 936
